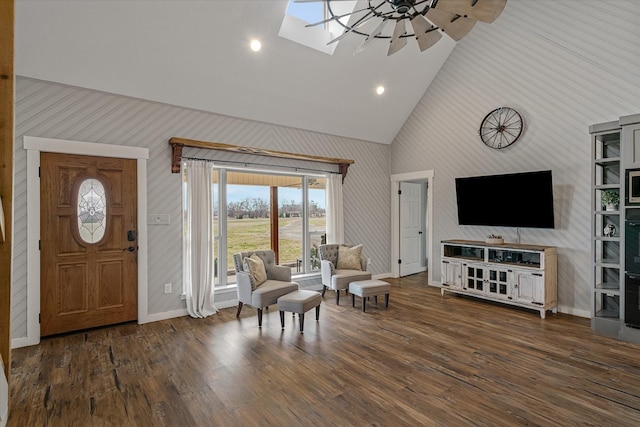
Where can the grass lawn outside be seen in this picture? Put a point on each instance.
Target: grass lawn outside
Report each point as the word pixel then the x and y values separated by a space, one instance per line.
pixel 254 233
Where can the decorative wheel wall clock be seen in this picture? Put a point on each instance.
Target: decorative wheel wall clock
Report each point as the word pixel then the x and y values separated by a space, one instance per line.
pixel 501 127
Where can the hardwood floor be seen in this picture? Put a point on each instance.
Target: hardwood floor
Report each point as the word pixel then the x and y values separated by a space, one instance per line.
pixel 426 360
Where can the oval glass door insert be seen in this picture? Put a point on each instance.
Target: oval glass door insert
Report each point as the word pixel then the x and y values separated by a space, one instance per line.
pixel 92 210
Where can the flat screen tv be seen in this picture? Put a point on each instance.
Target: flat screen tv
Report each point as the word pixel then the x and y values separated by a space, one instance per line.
pixel 509 200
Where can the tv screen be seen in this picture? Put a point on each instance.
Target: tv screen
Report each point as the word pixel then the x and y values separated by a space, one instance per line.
pixel 509 200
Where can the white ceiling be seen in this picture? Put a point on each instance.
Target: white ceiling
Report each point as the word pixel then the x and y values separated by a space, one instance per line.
pixel 195 54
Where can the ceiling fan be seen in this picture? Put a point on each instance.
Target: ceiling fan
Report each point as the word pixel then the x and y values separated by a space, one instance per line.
pixel 453 17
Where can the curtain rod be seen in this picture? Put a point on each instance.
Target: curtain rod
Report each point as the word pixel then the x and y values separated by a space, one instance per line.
pixel 177 144
pixel 258 164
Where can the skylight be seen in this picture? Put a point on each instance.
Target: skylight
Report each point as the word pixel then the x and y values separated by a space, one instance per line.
pixel 317 37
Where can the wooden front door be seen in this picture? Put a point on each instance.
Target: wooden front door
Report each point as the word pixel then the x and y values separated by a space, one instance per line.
pixel 88 242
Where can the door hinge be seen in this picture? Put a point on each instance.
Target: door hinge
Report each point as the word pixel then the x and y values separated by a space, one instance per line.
pixel 399 261
pixel 399 191
pixel 38 171
pixel 39 245
pixel 39 318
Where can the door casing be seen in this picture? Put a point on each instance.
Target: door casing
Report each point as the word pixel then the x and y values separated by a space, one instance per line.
pixel 36 145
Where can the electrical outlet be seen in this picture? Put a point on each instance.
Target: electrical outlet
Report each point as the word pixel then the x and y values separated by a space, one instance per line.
pixel 368 261
pixel 167 288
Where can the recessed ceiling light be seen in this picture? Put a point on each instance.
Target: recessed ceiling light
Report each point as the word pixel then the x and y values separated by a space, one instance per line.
pixel 256 45
pixel 380 90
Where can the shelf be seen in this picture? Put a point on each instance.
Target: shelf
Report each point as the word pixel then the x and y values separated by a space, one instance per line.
pixel 607 304
pixel 608 291
pixel 606 262
pixel 600 212
pixel 607 160
pixel 608 286
pixel 609 314
pixel 514 258
pixel 515 264
pixel 472 253
pixel 615 186
pixel 607 239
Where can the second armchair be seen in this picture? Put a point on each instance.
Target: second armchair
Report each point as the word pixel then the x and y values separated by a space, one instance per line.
pixel 341 265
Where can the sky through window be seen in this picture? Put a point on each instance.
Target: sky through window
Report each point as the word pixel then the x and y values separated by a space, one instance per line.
pixel 310 12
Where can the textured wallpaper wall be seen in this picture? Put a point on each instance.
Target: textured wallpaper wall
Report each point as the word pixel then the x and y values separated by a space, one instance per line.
pixel 564 66
pixel 52 110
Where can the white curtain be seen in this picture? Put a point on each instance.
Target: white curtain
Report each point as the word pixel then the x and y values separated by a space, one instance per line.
pixel 198 264
pixel 335 221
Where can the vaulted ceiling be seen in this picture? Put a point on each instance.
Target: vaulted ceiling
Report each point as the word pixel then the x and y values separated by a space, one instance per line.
pixel 196 54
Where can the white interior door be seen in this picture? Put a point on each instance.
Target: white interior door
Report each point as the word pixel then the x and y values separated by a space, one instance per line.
pixel 410 228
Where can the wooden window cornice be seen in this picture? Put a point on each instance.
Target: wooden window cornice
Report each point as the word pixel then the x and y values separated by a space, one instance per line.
pixel 177 145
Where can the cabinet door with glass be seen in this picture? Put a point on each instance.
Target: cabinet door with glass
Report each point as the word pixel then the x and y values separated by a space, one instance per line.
pixel 499 282
pixel 473 277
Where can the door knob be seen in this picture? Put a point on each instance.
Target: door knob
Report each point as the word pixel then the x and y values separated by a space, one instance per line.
pixel 130 249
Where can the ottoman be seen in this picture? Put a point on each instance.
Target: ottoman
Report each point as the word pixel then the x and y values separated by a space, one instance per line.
pixel 369 288
pixel 300 302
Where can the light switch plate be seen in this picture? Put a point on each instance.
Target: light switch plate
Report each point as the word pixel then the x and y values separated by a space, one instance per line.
pixel 159 219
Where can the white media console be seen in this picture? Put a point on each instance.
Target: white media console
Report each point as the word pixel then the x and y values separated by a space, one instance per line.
pixel 515 274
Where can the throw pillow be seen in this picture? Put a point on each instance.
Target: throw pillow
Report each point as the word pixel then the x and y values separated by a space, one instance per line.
pixel 349 258
pixel 256 269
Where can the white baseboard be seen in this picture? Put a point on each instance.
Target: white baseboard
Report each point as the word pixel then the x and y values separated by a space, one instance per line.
pixel 165 315
pixel 23 342
pixel 226 304
pixel 574 311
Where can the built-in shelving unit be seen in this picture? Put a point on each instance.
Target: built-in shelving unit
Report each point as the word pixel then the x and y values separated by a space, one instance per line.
pixel 606 243
pixel 521 275
pixel 615 154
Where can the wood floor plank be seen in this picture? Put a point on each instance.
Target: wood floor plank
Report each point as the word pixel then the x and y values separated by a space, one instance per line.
pixel 424 360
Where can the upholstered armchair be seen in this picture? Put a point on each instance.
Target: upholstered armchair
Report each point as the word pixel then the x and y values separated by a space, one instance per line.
pixel 338 272
pixel 258 287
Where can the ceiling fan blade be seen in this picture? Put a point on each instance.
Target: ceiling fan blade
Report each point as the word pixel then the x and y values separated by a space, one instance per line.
pixel 336 17
pixel 398 42
pixel 425 39
pixel 456 28
pixel 369 40
pixel 480 10
pixel 359 23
